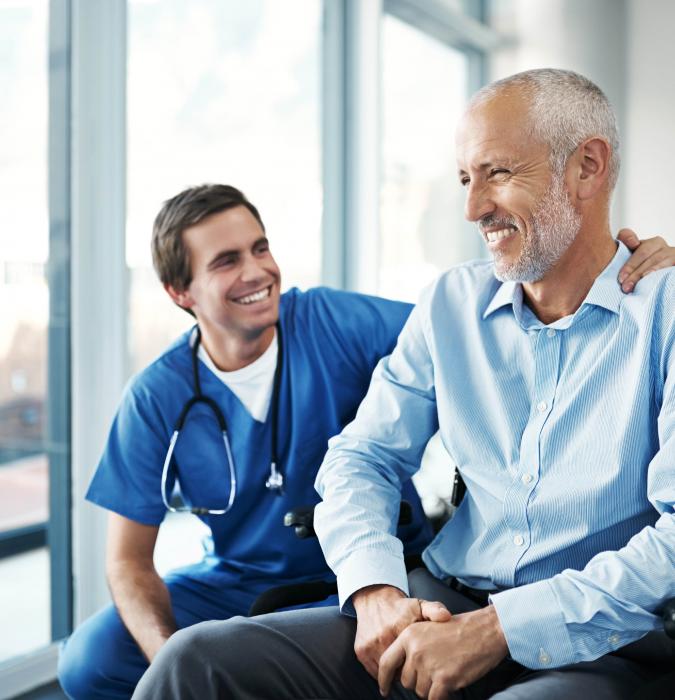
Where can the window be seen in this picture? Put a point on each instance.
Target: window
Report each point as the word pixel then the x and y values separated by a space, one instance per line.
pixel 25 313
pixel 421 221
pixel 229 93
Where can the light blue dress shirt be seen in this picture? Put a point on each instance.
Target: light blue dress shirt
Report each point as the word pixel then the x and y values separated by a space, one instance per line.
pixel 565 437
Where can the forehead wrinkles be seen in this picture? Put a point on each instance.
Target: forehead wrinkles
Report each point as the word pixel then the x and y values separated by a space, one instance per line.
pixel 499 126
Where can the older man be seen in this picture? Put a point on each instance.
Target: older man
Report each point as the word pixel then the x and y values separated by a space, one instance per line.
pixel 555 395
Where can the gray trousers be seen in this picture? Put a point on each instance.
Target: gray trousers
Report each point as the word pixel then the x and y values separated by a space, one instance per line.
pixel 309 655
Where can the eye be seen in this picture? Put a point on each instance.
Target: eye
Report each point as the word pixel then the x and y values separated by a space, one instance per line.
pixel 499 171
pixel 262 248
pixel 225 261
pixel 464 181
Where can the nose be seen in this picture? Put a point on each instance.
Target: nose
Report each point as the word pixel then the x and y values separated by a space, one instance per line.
pixel 478 202
pixel 251 269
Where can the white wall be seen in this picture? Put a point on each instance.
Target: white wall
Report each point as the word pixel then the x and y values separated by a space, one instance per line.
pixel 587 37
pixel 649 155
pixel 624 46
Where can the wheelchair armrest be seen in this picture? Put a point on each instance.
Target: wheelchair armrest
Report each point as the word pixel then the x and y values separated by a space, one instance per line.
pixel 302 519
pixel 292 594
pixel 669 618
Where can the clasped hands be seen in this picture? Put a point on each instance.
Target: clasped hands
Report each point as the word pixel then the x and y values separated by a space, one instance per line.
pixel 433 651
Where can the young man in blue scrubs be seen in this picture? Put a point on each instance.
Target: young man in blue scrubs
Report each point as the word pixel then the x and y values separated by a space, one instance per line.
pixel 213 257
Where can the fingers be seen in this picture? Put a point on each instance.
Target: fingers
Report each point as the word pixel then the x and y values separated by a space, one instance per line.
pixel 652 254
pixel 434 611
pixel 369 656
pixel 408 678
pixel 657 261
pixel 629 238
pixel 439 691
pixel 376 633
pixel 390 662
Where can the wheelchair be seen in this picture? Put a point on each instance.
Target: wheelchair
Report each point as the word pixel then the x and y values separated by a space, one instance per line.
pixel 301 519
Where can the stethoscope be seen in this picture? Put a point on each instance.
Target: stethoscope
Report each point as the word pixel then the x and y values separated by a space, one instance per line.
pixel 275 479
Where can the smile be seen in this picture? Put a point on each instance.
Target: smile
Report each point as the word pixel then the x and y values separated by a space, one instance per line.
pixel 255 297
pixel 494 236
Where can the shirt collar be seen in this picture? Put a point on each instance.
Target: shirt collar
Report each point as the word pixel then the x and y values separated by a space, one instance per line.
pixel 605 291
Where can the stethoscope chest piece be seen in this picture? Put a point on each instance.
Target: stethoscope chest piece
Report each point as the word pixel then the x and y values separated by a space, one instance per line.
pixel 275 481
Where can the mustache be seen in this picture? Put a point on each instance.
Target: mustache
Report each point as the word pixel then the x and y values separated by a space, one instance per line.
pixel 492 221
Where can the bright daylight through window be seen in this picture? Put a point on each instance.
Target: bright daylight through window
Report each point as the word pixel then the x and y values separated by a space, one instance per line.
pixel 24 310
pixel 223 92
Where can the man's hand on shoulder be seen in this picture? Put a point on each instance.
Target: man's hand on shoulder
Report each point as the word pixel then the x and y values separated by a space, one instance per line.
pixel 435 658
pixel 382 613
pixel 648 255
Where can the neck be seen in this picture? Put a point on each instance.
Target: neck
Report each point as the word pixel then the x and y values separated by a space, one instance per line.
pixel 231 351
pixel 561 292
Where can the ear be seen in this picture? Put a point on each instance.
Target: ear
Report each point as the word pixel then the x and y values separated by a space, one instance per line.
pixel 181 298
pixel 592 167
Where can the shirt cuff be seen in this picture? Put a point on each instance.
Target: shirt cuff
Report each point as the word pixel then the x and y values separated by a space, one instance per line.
pixel 369 567
pixel 534 626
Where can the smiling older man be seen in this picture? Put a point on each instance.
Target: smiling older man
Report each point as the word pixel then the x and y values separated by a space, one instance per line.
pixel 555 395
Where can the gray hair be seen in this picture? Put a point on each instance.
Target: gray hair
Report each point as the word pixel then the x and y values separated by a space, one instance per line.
pixel 565 109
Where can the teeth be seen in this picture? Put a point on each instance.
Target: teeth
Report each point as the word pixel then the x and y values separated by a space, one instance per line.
pixel 252 298
pixel 494 236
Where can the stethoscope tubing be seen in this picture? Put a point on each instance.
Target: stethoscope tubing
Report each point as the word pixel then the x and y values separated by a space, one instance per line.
pixel 275 480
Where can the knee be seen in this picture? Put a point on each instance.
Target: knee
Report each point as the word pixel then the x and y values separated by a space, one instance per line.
pixel 184 666
pixel 194 655
pixel 97 652
pixel 77 670
pixel 191 649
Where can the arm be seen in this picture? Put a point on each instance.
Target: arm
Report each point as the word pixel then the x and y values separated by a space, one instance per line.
pixel 648 255
pixel 360 482
pixel 362 473
pixel 140 595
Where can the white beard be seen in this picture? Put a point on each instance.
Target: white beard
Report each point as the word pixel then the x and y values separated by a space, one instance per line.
pixel 553 227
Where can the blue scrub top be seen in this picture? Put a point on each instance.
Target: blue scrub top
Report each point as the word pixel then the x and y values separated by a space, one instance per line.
pixel 332 342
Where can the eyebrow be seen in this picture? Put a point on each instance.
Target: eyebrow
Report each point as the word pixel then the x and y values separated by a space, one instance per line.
pixel 232 253
pixel 501 162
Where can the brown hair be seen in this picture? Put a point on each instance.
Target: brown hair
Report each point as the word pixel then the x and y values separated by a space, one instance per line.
pixel 170 256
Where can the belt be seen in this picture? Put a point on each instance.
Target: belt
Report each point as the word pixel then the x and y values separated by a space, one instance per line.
pixel 477 595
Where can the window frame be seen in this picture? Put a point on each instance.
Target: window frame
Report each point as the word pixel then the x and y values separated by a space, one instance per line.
pixel 87 198
pixel 352 118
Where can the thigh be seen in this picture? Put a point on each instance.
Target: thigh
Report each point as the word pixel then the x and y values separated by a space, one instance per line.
pixel 298 655
pixel 102 660
pixel 607 678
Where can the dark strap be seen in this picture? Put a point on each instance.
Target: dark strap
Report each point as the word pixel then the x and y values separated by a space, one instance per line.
pixel 478 595
pixel 276 389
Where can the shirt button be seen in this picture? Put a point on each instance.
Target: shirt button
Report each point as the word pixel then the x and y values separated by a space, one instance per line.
pixel 544 657
pixel 542 406
pixel 518 540
pixel 550 332
pixel 526 478
pixel 614 638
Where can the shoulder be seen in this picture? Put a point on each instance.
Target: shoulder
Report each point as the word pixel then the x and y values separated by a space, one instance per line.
pixel 464 287
pixel 324 304
pixel 655 293
pixel 164 372
pixel 653 301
